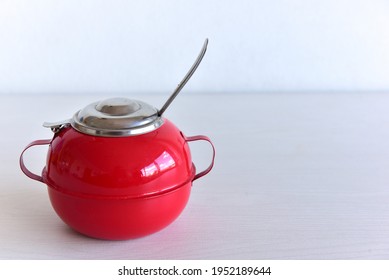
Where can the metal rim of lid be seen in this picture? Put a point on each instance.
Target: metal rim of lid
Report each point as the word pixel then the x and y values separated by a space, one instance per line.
pixel 116 132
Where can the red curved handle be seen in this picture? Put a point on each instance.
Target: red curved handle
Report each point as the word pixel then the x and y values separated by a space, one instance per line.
pixel 209 168
pixel 21 162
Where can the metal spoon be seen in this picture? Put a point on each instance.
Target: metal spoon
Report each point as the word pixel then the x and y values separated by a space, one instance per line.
pixel 185 79
pixel 57 126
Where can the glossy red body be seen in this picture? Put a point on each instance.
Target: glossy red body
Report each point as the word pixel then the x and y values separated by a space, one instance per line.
pixel 118 187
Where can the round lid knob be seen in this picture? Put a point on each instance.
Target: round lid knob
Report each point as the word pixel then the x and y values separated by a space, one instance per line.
pixel 117 117
pixel 118 106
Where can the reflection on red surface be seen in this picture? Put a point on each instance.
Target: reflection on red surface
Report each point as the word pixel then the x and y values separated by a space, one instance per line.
pixel 160 164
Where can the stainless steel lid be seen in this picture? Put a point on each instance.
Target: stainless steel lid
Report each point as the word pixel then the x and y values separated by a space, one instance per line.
pixel 117 117
pixel 114 117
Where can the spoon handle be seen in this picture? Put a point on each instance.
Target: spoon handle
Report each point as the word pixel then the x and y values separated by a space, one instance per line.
pixel 185 79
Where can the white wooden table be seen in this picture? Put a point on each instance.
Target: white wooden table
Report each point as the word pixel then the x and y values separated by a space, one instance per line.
pixel 297 176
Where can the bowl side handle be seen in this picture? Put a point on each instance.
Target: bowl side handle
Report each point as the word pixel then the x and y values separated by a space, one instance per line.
pixel 27 172
pixel 209 168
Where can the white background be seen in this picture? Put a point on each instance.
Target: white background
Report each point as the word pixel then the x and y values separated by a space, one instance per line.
pixel 292 93
pixel 147 46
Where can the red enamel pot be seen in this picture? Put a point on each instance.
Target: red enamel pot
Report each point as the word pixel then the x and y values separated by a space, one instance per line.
pixel 118 187
pixel 118 169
